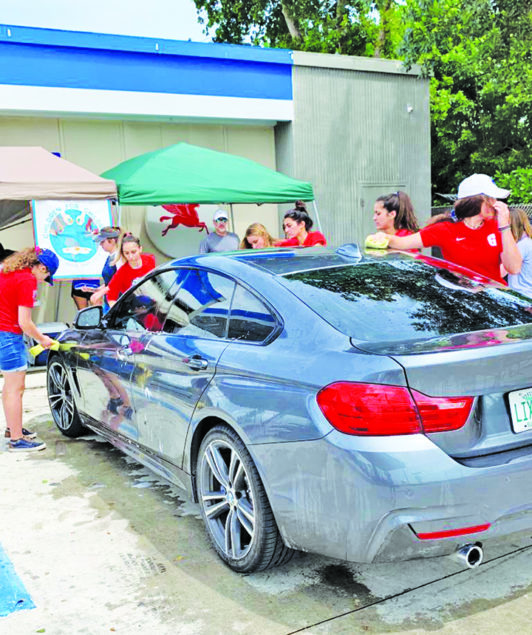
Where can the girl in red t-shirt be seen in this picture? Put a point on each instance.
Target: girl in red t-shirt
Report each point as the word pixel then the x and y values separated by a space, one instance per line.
pixel 297 225
pixel 136 266
pixel 478 238
pixel 393 214
pixel 20 275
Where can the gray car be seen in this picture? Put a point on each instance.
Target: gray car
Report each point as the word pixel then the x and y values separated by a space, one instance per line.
pixel 365 407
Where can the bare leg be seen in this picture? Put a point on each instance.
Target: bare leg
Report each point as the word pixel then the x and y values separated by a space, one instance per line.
pixel 12 402
pixel 81 303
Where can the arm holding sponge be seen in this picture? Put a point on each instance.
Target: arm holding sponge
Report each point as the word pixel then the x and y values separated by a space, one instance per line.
pixel 377 241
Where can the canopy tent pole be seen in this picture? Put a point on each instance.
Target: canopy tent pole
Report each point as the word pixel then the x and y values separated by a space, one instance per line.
pixel 232 216
pixel 317 215
pixel 57 301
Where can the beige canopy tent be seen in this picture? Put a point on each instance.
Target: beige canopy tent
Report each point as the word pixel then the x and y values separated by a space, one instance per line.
pixel 28 173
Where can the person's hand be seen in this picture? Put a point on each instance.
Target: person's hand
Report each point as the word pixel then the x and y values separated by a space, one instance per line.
pixel 46 341
pixel 97 296
pixel 379 240
pixel 503 213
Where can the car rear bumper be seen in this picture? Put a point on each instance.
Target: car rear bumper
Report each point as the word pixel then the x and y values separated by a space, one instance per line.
pixel 369 499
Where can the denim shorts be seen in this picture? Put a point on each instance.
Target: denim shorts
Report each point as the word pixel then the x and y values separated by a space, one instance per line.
pixel 12 352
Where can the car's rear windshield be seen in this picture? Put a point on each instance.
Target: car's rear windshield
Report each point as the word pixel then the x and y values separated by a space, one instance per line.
pixel 398 300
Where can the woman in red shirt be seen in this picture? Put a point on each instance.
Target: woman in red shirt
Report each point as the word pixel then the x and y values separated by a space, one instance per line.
pixel 393 214
pixel 136 266
pixel 478 237
pixel 20 275
pixel 297 225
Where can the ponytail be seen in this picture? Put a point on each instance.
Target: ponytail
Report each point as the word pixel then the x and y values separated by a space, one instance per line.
pixel 400 203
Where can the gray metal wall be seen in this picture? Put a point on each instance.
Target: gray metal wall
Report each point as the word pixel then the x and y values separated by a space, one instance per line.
pixel 361 129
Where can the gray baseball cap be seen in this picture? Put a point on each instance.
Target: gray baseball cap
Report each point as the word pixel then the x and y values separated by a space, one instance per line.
pixel 106 232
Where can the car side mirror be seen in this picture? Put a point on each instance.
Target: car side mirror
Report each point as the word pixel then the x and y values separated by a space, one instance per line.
pixel 89 318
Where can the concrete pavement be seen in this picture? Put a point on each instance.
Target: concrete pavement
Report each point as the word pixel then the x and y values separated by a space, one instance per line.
pixel 102 545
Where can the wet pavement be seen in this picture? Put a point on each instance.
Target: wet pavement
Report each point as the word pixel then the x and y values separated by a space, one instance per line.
pixel 103 545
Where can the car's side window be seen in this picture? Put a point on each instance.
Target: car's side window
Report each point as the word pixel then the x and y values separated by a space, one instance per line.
pixel 201 306
pixel 146 308
pixel 250 319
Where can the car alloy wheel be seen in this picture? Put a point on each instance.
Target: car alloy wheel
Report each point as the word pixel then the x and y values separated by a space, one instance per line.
pixel 61 400
pixel 234 505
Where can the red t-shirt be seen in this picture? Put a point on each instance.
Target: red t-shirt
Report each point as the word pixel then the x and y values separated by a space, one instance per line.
pixel 18 288
pixel 477 249
pixel 126 277
pixel 312 239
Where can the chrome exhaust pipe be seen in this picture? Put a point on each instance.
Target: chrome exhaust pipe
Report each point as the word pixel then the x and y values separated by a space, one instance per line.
pixel 470 556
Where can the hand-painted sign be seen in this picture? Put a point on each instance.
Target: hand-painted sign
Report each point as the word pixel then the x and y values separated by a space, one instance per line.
pixel 67 228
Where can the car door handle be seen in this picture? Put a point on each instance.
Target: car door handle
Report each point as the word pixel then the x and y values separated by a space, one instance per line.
pixel 124 353
pixel 196 362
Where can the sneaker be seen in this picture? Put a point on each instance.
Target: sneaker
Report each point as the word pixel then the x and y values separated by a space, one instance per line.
pixel 27 434
pixel 23 445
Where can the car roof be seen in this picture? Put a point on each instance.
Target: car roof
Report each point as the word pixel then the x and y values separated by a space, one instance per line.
pixel 283 261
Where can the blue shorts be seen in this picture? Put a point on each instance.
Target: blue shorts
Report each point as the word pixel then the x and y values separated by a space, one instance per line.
pixel 12 352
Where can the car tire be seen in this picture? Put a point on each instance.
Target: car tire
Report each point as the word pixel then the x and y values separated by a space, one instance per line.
pixel 61 400
pixel 234 505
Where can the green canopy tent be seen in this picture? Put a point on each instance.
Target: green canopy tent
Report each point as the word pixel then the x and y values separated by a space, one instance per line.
pixel 184 173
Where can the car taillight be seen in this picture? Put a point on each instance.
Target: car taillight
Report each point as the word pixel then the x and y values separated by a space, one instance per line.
pixel 369 409
pixel 380 410
pixel 441 414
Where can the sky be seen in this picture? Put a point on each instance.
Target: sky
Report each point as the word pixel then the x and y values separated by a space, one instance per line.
pixel 169 19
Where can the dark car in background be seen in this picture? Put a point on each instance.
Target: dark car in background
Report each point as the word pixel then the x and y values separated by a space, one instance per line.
pixel 368 407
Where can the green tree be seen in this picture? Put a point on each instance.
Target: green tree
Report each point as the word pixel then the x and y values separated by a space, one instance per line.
pixel 478 53
pixel 363 27
pixel 519 181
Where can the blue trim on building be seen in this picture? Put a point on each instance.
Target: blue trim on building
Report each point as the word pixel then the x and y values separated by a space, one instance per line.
pixel 80 39
pixel 67 59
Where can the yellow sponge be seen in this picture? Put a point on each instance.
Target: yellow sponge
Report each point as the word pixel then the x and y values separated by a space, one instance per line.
pixel 38 349
pixel 56 346
pixel 371 243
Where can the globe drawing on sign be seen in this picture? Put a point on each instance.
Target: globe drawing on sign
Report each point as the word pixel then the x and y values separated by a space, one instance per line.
pixel 71 235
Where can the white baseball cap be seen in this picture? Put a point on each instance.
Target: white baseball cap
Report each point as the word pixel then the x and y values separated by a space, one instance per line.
pixel 220 213
pixel 480 184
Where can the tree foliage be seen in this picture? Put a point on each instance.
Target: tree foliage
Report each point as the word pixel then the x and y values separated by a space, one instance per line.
pixel 478 54
pixel 363 27
pixel 519 181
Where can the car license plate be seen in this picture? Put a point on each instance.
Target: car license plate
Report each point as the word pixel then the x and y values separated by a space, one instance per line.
pixel 521 409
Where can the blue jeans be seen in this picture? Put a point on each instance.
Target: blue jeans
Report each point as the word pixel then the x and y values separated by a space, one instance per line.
pixel 12 352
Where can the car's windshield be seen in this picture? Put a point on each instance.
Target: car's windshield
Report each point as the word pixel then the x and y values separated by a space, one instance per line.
pixel 398 300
